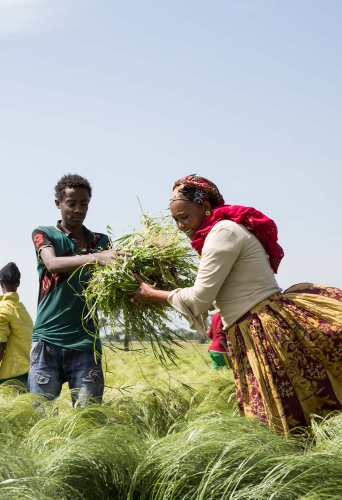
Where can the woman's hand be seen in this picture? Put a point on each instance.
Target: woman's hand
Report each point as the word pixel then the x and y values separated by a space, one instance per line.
pixel 103 258
pixel 146 294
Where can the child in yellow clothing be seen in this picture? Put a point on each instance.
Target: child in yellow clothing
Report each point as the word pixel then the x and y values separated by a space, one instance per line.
pixel 15 328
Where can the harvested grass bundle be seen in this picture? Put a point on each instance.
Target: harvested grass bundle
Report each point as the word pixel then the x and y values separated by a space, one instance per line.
pixel 162 259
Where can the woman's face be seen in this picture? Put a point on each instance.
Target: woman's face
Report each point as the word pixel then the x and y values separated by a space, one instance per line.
pixel 189 216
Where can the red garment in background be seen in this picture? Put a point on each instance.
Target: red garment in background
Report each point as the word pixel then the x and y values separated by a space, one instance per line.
pixel 215 333
pixel 256 222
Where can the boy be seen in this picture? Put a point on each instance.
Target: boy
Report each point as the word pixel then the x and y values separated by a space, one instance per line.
pixel 15 328
pixel 65 346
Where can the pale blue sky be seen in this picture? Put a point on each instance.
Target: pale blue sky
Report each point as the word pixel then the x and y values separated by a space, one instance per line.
pixel 136 94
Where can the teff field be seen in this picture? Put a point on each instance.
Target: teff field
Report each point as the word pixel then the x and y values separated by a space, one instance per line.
pixel 172 434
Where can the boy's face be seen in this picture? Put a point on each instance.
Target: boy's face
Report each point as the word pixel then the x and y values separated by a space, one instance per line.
pixel 74 206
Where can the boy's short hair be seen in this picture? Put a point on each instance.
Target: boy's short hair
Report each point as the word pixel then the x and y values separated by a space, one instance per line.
pixel 71 181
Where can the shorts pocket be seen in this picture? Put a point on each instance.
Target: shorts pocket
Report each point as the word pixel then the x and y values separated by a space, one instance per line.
pixel 93 375
pixel 42 378
pixel 35 351
pixel 50 351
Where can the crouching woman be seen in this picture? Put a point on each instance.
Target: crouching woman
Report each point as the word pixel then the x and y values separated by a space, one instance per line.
pixel 285 348
pixel 218 349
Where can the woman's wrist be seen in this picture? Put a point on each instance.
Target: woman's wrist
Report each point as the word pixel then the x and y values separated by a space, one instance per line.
pixel 160 296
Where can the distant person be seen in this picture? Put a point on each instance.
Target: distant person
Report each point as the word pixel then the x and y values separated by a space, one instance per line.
pixel 285 348
pixel 65 345
pixel 218 349
pixel 15 329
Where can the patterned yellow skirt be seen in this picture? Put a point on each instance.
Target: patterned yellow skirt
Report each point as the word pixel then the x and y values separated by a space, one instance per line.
pixel 287 356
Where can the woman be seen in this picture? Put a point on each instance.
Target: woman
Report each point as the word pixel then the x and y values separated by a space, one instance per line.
pixel 218 349
pixel 286 348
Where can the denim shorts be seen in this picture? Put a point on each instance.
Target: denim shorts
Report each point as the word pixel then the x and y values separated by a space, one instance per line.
pixel 52 365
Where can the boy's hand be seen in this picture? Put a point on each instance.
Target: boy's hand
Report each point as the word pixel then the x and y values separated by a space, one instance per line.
pixel 103 258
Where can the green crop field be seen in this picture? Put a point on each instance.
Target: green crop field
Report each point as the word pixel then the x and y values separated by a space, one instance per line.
pixel 161 434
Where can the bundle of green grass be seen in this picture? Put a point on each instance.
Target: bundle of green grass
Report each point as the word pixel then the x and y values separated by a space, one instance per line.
pixel 162 258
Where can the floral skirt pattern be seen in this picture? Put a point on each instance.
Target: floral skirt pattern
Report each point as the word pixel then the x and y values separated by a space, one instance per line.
pixel 286 354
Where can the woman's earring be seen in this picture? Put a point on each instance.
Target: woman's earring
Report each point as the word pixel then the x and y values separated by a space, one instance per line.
pixel 207 213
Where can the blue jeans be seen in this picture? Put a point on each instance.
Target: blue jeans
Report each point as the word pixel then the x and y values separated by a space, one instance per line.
pixel 52 365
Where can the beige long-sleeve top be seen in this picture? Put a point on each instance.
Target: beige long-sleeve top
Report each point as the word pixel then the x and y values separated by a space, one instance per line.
pixel 234 275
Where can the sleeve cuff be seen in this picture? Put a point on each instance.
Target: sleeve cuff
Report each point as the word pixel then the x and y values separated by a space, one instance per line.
pixel 195 323
pixel 40 249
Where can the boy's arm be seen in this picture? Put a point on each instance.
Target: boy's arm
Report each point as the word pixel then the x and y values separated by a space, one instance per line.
pixel 46 253
pixel 69 264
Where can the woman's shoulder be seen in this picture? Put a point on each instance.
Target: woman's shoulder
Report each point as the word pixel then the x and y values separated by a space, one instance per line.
pixel 227 224
pixel 224 226
pixel 224 236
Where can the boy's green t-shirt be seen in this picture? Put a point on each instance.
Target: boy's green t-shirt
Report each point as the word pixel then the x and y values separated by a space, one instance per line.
pixel 61 309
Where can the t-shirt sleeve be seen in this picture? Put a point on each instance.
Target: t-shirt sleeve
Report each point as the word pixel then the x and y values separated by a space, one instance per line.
pixel 40 241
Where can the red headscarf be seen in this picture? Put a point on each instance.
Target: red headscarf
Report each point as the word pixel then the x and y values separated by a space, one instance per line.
pixel 196 189
pixel 256 222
